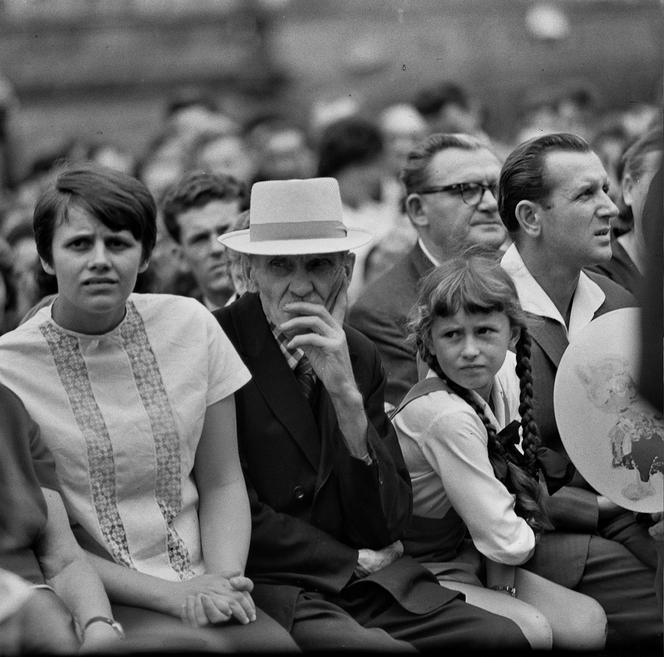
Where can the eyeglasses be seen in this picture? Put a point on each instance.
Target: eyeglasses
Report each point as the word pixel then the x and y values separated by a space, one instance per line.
pixel 471 192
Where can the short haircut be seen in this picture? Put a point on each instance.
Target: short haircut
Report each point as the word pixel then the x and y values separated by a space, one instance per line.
pixel 522 175
pixel 118 200
pixel 633 159
pixel 195 190
pixel 415 173
pixel 348 141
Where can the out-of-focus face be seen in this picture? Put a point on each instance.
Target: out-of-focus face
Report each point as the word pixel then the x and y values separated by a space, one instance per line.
pixel 285 154
pixel 314 278
pixel 635 188
pixel 402 129
pixel 450 222
pixel 609 151
pixel 228 155
pixel 206 257
pixel 96 270
pixel 576 216
pixel 471 348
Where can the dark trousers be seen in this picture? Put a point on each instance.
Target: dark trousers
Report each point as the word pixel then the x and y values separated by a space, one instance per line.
pixel 378 623
pixel 624 586
pixel 610 573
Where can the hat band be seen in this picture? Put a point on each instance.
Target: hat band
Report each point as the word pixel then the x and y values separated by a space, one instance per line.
pixel 296 230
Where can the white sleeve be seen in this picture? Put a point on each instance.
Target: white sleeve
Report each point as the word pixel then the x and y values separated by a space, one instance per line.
pixel 455 444
pixel 226 371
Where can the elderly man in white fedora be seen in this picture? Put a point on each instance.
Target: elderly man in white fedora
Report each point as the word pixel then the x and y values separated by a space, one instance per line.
pixel 329 491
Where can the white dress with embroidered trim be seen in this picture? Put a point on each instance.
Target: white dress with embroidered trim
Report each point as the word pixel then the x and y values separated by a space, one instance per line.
pixel 123 413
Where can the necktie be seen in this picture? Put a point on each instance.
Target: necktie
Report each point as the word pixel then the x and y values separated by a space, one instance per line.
pixel 306 377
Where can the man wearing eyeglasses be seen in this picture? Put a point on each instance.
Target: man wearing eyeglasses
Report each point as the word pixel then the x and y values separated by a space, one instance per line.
pixel 450 183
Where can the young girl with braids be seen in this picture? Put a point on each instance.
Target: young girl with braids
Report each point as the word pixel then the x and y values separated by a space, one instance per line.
pixel 478 504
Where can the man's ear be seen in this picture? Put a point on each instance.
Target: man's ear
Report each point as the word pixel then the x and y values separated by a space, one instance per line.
pixel 528 214
pixel 415 210
pixel 349 264
pixel 144 265
pixel 46 267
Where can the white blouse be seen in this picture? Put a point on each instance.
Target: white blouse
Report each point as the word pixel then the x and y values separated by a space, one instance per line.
pixel 444 444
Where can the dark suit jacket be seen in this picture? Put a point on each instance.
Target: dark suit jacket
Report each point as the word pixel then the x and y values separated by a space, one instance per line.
pixel 381 313
pixel 313 505
pixel 573 507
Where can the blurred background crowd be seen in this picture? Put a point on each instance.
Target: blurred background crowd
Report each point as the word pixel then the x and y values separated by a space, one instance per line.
pixel 275 89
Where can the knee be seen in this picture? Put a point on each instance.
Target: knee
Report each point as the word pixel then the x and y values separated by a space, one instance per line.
pixel 587 630
pixel 595 625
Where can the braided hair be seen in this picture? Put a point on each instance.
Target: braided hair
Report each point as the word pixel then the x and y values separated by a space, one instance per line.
pixel 475 282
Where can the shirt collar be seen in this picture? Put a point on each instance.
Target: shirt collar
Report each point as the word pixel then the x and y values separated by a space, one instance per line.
pixel 588 296
pixel 292 356
pixel 428 253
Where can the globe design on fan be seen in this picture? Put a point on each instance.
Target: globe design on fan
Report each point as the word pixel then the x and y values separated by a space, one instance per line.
pixel 613 436
pixel 637 437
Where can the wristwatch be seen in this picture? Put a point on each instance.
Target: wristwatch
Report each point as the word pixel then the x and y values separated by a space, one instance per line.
pixel 109 621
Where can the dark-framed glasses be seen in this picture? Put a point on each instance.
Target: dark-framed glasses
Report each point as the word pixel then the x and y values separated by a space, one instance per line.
pixel 471 192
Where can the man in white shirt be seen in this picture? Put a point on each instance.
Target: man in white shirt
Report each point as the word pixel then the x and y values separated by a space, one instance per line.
pixel 196 210
pixel 554 201
pixel 450 184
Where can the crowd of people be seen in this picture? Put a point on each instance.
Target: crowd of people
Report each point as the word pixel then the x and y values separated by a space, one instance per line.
pixel 273 386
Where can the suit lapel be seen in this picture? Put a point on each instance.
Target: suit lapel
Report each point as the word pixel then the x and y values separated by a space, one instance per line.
pixel 275 380
pixel 550 336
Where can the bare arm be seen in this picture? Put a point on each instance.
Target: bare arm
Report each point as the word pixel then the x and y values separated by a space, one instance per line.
pixel 71 575
pixel 224 514
pixel 225 529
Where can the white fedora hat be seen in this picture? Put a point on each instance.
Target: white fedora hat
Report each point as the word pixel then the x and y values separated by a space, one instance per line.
pixel 295 217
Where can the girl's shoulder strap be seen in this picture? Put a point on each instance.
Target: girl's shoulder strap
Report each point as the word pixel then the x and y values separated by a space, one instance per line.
pixel 421 388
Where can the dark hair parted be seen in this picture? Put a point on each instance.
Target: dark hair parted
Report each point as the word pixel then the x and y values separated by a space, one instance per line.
pixel 522 175
pixel 475 282
pixel 195 190
pixel 415 174
pixel 118 200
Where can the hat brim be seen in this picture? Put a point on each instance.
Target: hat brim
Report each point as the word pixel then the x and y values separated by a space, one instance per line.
pixel 239 240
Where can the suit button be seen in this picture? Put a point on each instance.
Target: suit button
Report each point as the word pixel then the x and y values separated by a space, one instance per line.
pixel 298 492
